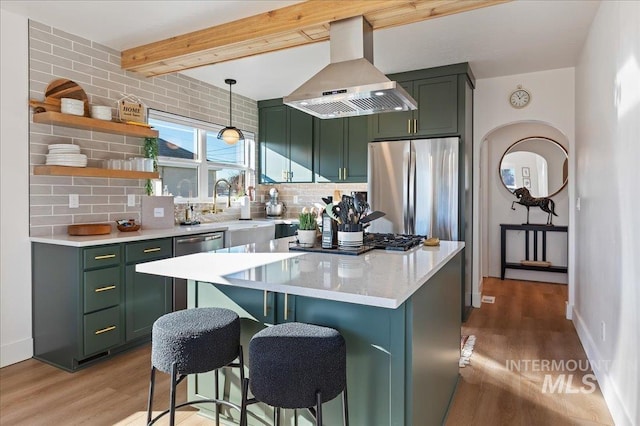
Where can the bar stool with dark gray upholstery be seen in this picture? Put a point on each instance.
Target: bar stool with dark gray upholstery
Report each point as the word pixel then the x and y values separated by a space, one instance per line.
pixel 194 341
pixel 296 365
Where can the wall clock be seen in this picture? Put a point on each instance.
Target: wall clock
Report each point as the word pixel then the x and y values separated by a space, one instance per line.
pixel 520 97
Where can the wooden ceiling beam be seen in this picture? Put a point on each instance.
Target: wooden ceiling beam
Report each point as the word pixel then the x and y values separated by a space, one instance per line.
pixel 291 26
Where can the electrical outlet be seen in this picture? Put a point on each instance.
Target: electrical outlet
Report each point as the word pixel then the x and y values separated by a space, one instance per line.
pixel 131 200
pixel 74 201
pixel 261 198
pixel 295 199
pixel 603 329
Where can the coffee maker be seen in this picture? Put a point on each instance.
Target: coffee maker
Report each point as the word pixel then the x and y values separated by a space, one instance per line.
pixel 274 207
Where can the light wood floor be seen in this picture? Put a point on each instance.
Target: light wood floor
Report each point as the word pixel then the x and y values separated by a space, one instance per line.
pixel 525 323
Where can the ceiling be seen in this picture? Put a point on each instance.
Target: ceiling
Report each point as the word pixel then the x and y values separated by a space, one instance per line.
pixel 511 38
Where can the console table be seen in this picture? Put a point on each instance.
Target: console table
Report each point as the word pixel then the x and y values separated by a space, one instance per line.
pixel 529 230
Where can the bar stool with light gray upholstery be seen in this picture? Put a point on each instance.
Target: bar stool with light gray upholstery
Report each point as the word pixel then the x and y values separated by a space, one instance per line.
pixel 296 365
pixel 194 341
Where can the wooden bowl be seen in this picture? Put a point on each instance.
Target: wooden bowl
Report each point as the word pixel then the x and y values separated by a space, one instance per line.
pixel 128 228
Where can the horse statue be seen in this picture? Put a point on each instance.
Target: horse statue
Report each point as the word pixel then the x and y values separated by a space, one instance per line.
pixel 546 204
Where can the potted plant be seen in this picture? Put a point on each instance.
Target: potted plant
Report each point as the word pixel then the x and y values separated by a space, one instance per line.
pixel 151 151
pixel 307 229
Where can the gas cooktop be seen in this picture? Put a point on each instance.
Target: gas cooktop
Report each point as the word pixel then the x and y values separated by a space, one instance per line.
pixel 394 242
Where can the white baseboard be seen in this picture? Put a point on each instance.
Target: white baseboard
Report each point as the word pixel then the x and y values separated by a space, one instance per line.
pixel 610 392
pixel 16 352
pixel 568 310
pixel 476 299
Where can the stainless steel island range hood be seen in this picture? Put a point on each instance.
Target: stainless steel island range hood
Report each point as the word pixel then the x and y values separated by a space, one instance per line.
pixel 350 85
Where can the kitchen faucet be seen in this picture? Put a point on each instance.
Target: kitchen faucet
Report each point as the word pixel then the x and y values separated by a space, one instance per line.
pixel 215 193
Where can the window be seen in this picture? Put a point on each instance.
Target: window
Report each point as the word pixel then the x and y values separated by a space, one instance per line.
pixel 191 159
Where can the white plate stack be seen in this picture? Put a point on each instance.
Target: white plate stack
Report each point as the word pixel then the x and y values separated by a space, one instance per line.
pixel 66 155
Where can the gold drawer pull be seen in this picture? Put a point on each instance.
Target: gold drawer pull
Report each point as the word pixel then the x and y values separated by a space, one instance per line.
pixel 151 250
pixel 105 256
pixel 109 287
pixel 106 329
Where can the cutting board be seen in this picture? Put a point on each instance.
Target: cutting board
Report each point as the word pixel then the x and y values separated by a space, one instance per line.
pixel 89 229
pixel 58 89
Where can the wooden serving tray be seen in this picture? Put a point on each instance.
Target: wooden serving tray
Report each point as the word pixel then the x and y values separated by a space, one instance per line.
pixel 89 229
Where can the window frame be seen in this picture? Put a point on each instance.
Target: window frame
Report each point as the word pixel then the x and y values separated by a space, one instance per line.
pixel 200 163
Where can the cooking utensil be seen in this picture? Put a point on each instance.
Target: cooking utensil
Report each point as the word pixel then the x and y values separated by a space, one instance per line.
pixel 372 216
pixel 331 213
pixel 327 200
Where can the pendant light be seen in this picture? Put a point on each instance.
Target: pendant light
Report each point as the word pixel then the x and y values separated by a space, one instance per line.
pixel 230 135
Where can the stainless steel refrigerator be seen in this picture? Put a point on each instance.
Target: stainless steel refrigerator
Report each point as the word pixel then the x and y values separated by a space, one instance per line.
pixel 415 182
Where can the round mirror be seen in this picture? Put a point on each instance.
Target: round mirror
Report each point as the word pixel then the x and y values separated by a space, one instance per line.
pixel 537 163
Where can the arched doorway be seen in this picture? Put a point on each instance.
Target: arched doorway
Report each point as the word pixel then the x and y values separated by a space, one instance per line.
pixel 495 200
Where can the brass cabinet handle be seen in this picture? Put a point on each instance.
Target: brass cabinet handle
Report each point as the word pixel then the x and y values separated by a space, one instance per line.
pixel 106 329
pixel 339 173
pixel 105 256
pixel 409 126
pixel 290 176
pixel 286 306
pixel 284 175
pixel 151 250
pixel 415 125
pixel 344 174
pixel 109 287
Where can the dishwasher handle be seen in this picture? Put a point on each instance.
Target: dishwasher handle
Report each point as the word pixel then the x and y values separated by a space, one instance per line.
pixel 199 239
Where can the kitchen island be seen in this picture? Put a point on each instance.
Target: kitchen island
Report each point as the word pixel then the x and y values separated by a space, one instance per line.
pixel 398 311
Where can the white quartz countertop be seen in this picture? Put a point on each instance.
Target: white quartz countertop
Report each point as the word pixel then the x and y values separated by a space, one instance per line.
pixel 149 234
pixel 376 278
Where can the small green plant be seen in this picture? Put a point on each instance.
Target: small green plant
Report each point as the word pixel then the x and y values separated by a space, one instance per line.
pixel 307 219
pixel 151 151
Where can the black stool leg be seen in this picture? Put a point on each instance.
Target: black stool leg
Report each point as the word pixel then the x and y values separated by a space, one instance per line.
pixel 241 362
pixel 318 409
pixel 276 415
pixel 345 407
pixel 243 405
pixel 172 395
pixel 217 384
pixel 152 380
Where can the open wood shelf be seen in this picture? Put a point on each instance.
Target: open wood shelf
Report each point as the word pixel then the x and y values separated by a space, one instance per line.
pixel 86 123
pixel 93 172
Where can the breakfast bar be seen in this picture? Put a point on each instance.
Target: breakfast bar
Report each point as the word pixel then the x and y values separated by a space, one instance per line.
pixel 398 311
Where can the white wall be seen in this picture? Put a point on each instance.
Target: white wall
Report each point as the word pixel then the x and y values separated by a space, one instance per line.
pixel 552 105
pixel 16 343
pixel 607 225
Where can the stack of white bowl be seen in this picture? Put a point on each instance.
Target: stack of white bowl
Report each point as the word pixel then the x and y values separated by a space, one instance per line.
pixel 101 112
pixel 71 106
pixel 63 154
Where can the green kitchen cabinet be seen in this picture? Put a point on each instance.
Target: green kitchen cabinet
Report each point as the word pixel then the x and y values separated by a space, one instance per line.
pixel 341 149
pixel 78 315
pixel 89 303
pixel 147 297
pixel 286 143
pixel 439 93
pixel 436 114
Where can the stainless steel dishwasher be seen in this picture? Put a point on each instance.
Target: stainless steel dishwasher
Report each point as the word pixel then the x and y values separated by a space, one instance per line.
pixel 191 244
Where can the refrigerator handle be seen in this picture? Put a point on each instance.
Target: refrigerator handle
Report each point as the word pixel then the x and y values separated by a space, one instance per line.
pixel 411 210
